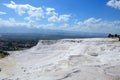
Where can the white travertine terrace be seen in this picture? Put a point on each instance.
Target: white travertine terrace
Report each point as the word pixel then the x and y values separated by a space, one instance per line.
pixel 66 59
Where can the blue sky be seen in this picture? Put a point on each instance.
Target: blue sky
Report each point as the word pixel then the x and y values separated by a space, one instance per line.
pixel 101 16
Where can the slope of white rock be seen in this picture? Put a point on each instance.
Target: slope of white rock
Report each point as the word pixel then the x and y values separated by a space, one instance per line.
pixel 66 59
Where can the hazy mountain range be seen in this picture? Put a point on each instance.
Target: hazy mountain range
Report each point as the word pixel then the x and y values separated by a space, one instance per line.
pixel 34 32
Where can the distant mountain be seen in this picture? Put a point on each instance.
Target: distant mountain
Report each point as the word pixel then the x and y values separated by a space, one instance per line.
pixel 34 32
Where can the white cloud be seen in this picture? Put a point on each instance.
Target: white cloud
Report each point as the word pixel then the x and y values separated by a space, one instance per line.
pixel 92 21
pixel 2 13
pixel 51 11
pixel 33 12
pixel 88 25
pixel 37 13
pixel 46 26
pixel 12 23
pixel 61 18
pixel 55 17
pixel 114 3
pixel 64 26
pixel 20 9
pixel 33 17
pixel 97 25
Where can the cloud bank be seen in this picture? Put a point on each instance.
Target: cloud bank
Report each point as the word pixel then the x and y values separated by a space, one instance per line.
pixel 48 18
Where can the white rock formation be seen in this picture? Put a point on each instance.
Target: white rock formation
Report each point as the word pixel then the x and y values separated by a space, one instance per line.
pixel 67 59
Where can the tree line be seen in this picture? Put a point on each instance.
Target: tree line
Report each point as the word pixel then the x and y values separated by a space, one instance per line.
pixel 3 54
pixel 114 36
